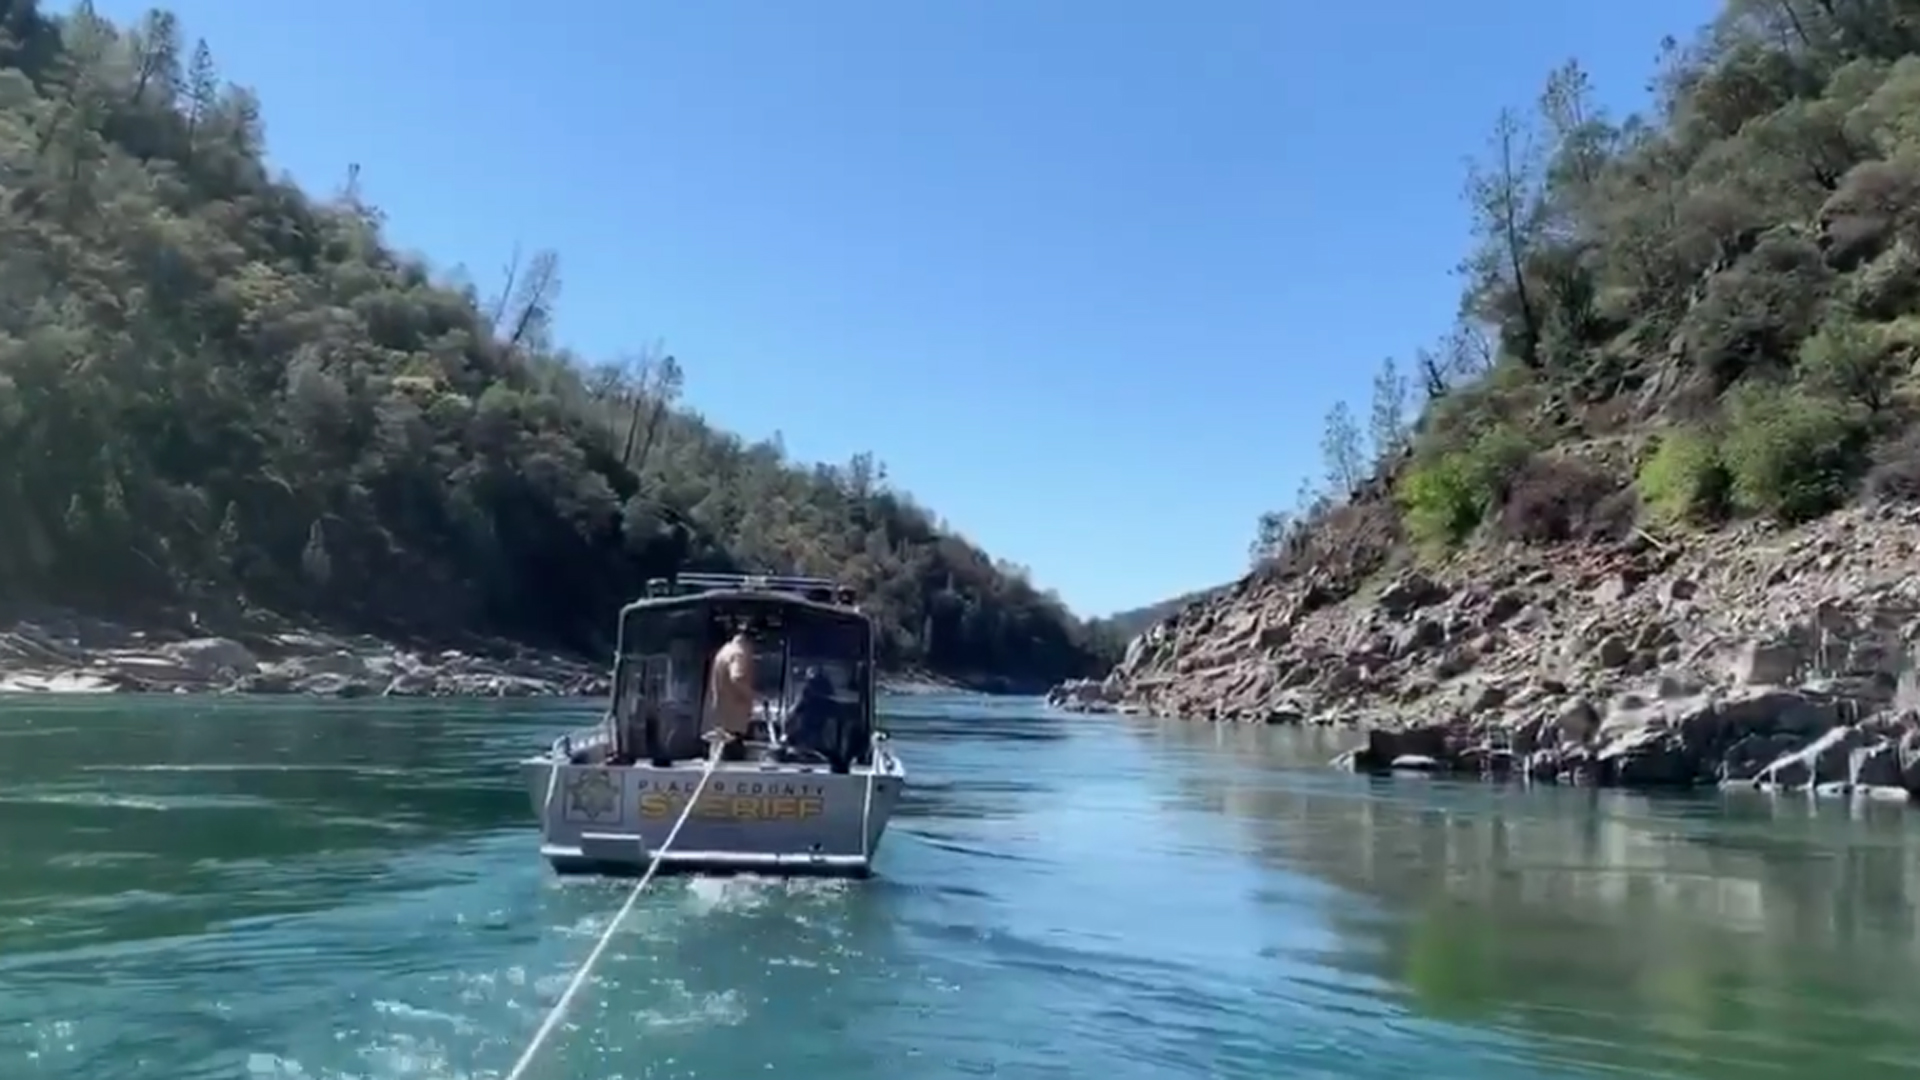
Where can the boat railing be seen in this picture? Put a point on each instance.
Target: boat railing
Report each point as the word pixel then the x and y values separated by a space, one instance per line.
pixel 810 588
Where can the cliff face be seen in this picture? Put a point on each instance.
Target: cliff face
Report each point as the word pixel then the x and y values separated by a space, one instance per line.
pixel 1508 628
pixel 1720 657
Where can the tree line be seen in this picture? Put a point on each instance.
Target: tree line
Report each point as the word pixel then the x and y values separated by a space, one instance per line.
pixel 1666 320
pixel 219 392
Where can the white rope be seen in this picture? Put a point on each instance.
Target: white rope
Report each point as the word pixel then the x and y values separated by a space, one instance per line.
pixel 562 754
pixel 866 808
pixel 559 1010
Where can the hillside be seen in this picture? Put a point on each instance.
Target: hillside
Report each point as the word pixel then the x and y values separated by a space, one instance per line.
pixel 1123 626
pixel 219 393
pixel 1601 529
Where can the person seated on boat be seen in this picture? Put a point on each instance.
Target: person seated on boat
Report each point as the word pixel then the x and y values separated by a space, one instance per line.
pixel 811 712
pixel 730 693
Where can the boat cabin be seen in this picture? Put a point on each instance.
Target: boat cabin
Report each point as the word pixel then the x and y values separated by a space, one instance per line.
pixel 813 669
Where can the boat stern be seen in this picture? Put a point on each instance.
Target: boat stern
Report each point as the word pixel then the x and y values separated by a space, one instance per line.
pixel 749 818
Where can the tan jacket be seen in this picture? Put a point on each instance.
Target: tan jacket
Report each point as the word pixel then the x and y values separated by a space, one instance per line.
pixel 730 693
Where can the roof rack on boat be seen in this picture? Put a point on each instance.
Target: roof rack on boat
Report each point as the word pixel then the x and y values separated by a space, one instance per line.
pixel 817 589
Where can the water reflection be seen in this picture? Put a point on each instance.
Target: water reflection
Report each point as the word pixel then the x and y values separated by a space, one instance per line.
pixel 1684 936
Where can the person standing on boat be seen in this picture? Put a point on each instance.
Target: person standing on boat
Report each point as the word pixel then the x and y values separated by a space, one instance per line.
pixel 730 693
pixel 812 710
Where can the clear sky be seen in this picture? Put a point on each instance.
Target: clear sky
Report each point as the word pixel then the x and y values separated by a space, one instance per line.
pixel 1086 275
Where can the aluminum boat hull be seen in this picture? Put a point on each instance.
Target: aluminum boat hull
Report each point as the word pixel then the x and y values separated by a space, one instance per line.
pixel 761 817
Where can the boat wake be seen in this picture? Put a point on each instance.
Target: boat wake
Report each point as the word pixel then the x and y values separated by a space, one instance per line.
pixel 645 999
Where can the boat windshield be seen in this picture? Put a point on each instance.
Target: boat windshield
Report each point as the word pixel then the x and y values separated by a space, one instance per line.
pixel 812 682
pixel 829 650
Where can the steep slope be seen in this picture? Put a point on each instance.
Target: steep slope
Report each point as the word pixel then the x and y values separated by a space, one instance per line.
pixel 220 393
pixel 1608 547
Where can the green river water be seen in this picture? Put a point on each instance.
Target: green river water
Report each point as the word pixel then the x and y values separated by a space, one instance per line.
pixel 194 888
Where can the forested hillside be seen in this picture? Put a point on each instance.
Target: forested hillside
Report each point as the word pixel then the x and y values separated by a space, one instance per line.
pixel 218 391
pixel 1599 534
pixel 1667 321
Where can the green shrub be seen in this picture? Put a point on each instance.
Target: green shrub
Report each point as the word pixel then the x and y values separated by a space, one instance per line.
pixel 1684 479
pixel 1445 496
pixel 1792 456
pixel 1889 286
pixel 1439 501
pixel 1752 316
pixel 1470 412
pixel 1849 360
pixel 1494 459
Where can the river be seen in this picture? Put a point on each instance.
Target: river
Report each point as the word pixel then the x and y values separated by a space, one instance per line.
pixel 194 889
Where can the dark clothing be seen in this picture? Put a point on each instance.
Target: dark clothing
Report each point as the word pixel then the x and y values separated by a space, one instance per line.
pixel 807 720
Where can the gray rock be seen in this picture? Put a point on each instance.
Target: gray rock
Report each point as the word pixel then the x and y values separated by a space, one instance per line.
pixel 1409 594
pixel 1758 663
pixel 1825 760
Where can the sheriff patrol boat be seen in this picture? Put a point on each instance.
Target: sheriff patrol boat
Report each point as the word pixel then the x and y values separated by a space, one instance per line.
pixel 816 784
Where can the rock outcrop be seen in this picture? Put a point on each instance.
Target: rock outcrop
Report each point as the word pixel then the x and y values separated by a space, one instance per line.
pixel 1754 656
pixel 1084 695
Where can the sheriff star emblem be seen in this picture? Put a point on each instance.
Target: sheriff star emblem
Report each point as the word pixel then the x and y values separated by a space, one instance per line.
pixel 593 795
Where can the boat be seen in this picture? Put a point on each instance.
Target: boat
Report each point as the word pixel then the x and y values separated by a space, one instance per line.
pixel 808 791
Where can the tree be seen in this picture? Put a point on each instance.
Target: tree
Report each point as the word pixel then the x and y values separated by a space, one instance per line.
pixel 522 312
pixel 156 48
pixel 1341 452
pixel 1387 419
pixel 1269 536
pixel 1503 195
pixel 643 387
pixel 203 89
pixel 1580 146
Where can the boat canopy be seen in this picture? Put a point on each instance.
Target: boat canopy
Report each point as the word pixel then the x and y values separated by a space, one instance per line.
pixel 809 641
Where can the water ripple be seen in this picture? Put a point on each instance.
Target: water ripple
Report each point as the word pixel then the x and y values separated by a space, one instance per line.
pixel 207 889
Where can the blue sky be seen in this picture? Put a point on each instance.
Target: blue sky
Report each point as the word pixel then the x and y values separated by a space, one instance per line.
pixel 1087 276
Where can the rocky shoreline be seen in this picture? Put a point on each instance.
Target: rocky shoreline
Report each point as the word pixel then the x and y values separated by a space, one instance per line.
pixel 61 652
pixel 1756 657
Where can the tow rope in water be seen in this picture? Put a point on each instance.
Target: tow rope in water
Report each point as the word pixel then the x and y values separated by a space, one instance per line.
pixel 579 980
